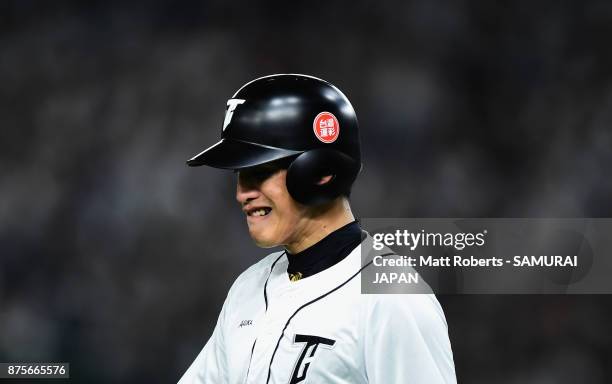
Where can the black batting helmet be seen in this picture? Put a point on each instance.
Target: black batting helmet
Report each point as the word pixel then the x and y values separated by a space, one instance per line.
pixel 290 115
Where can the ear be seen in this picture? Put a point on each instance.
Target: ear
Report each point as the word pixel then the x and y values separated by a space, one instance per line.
pixel 325 179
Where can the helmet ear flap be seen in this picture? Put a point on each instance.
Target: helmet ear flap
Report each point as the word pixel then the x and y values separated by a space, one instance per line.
pixel 308 168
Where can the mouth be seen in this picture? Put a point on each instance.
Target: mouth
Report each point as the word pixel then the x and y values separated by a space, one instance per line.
pixel 258 211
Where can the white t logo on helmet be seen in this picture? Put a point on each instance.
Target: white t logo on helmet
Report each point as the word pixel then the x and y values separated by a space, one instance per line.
pixel 231 105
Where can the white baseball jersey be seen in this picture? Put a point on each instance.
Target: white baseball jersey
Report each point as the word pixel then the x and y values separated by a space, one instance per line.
pixel 321 329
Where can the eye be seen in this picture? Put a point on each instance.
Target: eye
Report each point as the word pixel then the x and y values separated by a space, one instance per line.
pixel 262 174
pixel 258 174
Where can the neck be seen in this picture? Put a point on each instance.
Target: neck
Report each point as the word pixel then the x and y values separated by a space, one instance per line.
pixel 323 221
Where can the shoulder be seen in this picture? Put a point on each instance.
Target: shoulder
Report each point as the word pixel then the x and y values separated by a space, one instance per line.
pixel 256 274
pixel 422 312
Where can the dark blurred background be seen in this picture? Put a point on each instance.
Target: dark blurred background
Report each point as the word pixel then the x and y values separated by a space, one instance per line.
pixel 116 257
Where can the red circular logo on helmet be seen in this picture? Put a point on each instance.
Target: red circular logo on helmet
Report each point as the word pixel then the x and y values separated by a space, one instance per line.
pixel 326 127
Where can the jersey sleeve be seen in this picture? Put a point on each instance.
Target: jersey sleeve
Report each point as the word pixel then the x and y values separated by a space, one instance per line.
pixel 210 366
pixel 406 341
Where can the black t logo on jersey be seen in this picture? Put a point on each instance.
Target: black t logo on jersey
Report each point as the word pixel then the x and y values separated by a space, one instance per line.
pixel 307 354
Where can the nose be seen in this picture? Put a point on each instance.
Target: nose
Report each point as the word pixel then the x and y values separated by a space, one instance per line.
pixel 246 190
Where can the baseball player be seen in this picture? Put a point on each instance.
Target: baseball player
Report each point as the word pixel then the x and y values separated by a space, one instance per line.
pixel 298 316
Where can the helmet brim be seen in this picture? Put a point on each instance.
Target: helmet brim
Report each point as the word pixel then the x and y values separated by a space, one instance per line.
pixel 237 154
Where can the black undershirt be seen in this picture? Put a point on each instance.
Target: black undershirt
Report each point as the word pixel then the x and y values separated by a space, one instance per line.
pixel 326 253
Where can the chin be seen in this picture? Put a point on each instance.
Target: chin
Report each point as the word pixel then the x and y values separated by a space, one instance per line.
pixel 263 241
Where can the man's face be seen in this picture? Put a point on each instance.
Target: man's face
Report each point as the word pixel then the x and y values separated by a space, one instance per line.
pixel 273 217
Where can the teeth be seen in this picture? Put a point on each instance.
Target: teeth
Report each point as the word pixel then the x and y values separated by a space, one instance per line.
pixel 259 212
